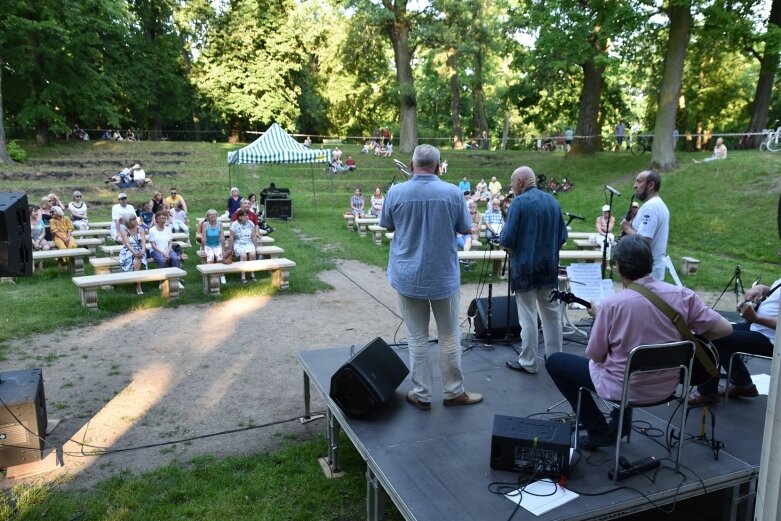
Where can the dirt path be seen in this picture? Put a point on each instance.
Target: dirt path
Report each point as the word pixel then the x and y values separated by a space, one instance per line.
pixel 158 375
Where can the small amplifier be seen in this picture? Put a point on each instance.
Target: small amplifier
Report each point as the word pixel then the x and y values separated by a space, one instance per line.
pixel 534 446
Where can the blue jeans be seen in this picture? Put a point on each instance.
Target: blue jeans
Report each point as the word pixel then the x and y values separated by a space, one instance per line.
pixel 570 372
pixel 416 314
pixel 741 340
pixel 173 259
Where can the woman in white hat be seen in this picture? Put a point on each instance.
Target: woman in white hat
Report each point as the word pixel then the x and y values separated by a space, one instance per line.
pixel 78 210
pixel 603 224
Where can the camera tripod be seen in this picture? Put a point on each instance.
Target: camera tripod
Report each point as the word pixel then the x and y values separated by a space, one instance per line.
pixel 738 287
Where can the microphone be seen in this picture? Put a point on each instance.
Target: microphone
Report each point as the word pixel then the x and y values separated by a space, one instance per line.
pixel 575 217
pixel 402 168
pixel 613 191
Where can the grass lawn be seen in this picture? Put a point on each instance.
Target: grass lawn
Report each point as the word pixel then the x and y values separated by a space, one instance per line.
pixel 722 213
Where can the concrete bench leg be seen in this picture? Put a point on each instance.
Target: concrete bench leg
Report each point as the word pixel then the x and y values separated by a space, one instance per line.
pixel 78 265
pixel 211 284
pixel 281 278
pixel 89 297
pixel 378 238
pixel 170 289
pixel 362 230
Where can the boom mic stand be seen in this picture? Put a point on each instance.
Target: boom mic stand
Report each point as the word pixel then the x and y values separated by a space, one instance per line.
pixel 738 287
pixel 613 192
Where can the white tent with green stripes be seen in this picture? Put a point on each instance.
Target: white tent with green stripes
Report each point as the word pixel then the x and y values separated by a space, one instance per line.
pixel 275 146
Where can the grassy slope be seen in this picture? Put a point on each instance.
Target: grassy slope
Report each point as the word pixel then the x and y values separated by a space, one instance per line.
pixel 722 213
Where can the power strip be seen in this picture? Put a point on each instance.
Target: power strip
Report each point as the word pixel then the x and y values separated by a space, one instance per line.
pixel 627 468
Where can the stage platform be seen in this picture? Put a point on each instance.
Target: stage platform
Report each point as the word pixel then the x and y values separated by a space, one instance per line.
pixel 434 464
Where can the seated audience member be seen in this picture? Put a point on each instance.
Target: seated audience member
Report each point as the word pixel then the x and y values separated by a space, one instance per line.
pixel 603 224
pixel 148 216
pixel 388 150
pixel 337 167
pixel 377 201
pixel 56 202
pixel 252 216
pixel 179 219
pixel 139 176
pixel 106 136
pixel 160 237
pixel 46 216
pixel 130 135
pixel 175 198
pixel 234 202
pixel 464 185
pixel 379 150
pixel 132 256
pixel 336 155
pixel 116 136
pixel 505 204
pixel 37 233
pixel 566 186
pixel 243 240
pixel 495 187
pixel 464 241
pixel 622 322
pixel 443 167
pixel 308 141
pixel 493 219
pixel 122 207
pixel 719 152
pixel 62 232
pixel 213 240
pixel 122 179
pixel 157 202
pixel 357 204
pixel 367 147
pixel 477 221
pixel 253 203
pixel 79 133
pixel 481 192
pixel 78 211
pixel 757 335
pixel 350 163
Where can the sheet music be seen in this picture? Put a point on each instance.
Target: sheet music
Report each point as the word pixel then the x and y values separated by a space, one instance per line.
pixel 585 281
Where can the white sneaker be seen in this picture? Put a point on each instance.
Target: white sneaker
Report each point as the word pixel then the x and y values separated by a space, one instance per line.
pixel 181 286
pixel 222 279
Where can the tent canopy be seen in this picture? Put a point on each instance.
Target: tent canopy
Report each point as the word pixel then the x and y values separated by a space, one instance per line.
pixel 277 146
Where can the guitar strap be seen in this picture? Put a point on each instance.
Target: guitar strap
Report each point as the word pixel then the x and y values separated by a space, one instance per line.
pixel 768 295
pixel 677 321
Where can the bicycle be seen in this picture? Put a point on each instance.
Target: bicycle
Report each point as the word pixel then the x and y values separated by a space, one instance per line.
pixel 772 142
pixel 639 145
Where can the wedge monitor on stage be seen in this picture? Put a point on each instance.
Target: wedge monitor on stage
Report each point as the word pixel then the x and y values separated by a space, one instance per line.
pixel 368 380
pixel 501 324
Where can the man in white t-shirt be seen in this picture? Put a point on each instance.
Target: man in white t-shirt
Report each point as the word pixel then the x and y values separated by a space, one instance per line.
pixel 652 220
pixel 139 176
pixel 116 213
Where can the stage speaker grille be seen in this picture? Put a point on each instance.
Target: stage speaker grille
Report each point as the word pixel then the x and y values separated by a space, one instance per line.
pixel 279 209
pixel 502 324
pixel 368 380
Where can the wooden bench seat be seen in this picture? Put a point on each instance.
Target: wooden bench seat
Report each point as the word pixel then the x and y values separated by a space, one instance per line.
pixel 279 268
pixel 76 255
pixel 88 286
pixel 363 222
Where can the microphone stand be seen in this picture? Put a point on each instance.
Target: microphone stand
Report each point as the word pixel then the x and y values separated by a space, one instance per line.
pixel 489 310
pixel 605 241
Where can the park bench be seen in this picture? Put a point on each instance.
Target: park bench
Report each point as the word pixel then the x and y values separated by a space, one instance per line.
pixel 99 225
pixel 271 252
pixel 350 221
pixel 90 243
pixel 168 277
pixel 77 256
pixel 114 249
pixel 499 254
pixel 279 268
pixel 377 231
pixel 99 233
pixel 363 222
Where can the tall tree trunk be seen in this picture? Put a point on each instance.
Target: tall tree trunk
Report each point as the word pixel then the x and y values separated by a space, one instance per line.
pixel 663 155
pixel 4 156
pixel 455 98
pixel 506 129
pixel 398 30
pixel 481 122
pixel 767 74
pixel 590 98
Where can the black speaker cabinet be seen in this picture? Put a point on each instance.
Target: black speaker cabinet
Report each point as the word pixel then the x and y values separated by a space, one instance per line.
pixel 279 209
pixel 22 418
pixel 14 216
pixel 368 380
pixel 502 323
pixel 16 247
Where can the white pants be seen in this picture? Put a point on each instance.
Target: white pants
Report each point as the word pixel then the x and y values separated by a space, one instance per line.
pixel 529 304
pixel 416 314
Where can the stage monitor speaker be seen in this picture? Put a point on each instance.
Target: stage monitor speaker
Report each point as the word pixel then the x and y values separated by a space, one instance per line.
pixel 22 418
pixel 368 380
pixel 279 209
pixel 14 216
pixel 502 323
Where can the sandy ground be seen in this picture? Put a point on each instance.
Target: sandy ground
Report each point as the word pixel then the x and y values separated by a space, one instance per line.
pixel 159 375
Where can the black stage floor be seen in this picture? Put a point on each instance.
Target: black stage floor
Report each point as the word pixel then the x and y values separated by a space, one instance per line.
pixel 435 464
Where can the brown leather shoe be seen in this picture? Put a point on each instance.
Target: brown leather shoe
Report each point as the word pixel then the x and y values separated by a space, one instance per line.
pixel 696 398
pixel 740 391
pixel 464 399
pixel 417 402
